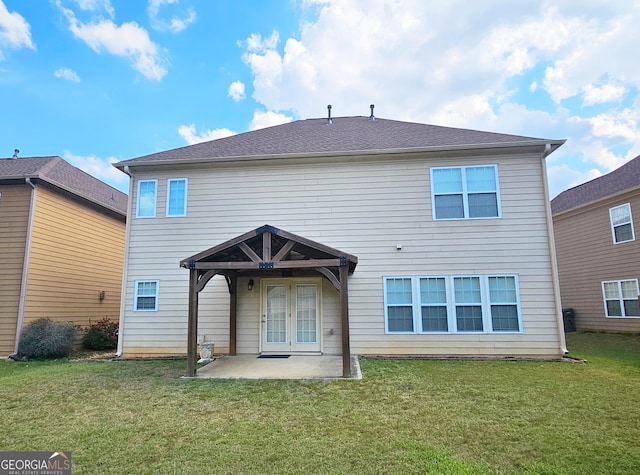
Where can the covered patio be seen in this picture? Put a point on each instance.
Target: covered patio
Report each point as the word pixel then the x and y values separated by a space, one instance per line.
pixel 266 251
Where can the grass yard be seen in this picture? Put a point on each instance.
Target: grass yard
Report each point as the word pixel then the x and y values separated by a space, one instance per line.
pixel 440 417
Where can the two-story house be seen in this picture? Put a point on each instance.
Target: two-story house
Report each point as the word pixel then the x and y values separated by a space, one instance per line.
pixel 351 235
pixel 61 246
pixel 597 249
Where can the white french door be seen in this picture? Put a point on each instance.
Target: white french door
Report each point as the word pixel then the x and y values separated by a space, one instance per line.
pixel 291 316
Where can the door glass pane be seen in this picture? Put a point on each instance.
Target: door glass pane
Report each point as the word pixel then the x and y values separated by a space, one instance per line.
pixel 306 314
pixel 276 325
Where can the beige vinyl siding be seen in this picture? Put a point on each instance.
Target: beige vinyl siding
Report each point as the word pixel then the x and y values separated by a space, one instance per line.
pixel 76 253
pixel 14 219
pixel 587 256
pixel 362 207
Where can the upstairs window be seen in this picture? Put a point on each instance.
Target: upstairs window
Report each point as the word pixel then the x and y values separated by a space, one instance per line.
pixel 177 197
pixel 146 205
pixel 465 192
pixel 621 223
pixel 621 298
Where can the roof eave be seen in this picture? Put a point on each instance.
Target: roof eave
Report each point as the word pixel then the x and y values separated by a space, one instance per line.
pixel 592 202
pixel 554 144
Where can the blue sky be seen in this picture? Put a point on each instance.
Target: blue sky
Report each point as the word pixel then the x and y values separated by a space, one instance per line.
pixel 99 81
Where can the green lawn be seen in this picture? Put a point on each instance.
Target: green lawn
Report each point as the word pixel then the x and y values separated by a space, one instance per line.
pixel 450 417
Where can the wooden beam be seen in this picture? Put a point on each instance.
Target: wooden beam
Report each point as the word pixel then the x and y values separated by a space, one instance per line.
pixel 284 251
pixel 192 324
pixel 330 276
pixel 301 264
pixel 233 314
pixel 344 318
pixel 266 247
pixel 249 252
pixel 204 280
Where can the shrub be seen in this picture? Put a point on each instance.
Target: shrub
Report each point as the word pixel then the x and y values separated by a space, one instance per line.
pixel 102 335
pixel 44 338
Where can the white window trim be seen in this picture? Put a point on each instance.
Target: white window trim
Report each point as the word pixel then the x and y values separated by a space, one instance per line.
pixel 135 296
pixel 621 300
pixel 386 306
pixel 517 303
pixel 450 316
pixel 452 321
pixel 465 193
pixel 613 230
pixel 186 188
pixel 155 198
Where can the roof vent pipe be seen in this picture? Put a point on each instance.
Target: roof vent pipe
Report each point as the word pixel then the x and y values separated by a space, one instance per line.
pixel 15 154
pixel 372 117
pixel 329 121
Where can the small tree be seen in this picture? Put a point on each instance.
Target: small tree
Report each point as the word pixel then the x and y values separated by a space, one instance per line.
pixel 102 335
pixel 45 338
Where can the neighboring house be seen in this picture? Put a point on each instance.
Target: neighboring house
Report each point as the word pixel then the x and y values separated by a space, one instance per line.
pixel 598 249
pixel 61 245
pixel 365 236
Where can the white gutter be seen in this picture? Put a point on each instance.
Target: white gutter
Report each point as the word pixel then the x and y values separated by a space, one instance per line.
pixel 552 253
pixel 25 264
pixel 125 264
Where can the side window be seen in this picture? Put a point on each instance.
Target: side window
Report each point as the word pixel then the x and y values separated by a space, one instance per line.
pixel 621 298
pixel 467 297
pixel 398 298
pixel 465 192
pixel 433 304
pixel 146 295
pixel 177 197
pixel 503 304
pixel 146 204
pixel 621 223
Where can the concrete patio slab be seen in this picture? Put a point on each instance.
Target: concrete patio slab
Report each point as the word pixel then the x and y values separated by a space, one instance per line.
pixel 293 367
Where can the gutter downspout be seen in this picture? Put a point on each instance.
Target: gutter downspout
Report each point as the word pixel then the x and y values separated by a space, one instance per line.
pixel 125 264
pixel 552 253
pixel 25 264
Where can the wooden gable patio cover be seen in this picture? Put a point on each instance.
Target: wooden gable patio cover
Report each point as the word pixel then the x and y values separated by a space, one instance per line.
pixel 265 251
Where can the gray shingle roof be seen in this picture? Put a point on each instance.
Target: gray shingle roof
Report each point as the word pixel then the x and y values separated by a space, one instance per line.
pixel 344 135
pixel 621 179
pixel 58 172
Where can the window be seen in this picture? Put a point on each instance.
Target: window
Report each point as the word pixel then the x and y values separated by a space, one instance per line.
pixel 146 295
pixel 621 298
pixel 621 223
pixel 146 206
pixel 468 304
pixel 399 304
pixel 503 303
pixel 465 192
pixel 433 304
pixel 177 197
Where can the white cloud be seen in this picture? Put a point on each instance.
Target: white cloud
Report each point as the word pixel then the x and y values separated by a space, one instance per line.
pixel 99 168
pixel 188 132
pixel 15 31
pixel 465 64
pixel 236 91
pixel 93 5
pixel 67 74
pixel 128 40
pixel 606 93
pixel 563 177
pixel 176 24
pixel 262 119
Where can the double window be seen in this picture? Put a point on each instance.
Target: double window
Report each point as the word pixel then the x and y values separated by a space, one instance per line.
pixel 446 304
pixel 148 194
pixel 621 298
pixel 621 223
pixel 465 192
pixel 146 295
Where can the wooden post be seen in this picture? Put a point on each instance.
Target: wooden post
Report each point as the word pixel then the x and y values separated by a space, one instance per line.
pixel 192 325
pixel 344 314
pixel 233 311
